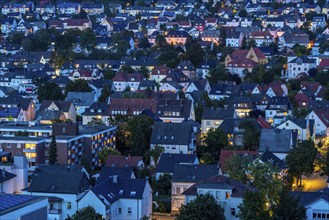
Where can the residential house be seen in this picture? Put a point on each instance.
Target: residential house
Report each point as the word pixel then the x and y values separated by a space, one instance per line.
pixel 26 104
pixel 68 8
pixel 177 37
pixel 198 85
pixel 85 74
pixel 321 120
pixel 81 24
pixel 81 100
pixel 171 110
pixel 166 135
pixel 64 185
pixel 167 162
pixel 186 175
pixel 130 106
pixel 222 90
pixel 118 198
pixel 226 191
pixel 278 109
pixel 305 127
pixel 298 65
pixel 14 206
pixel 278 141
pixel 125 161
pixel 211 36
pixel 123 80
pixel 213 117
pixel 8 25
pixel 121 172
pixel 234 39
pixel 51 110
pixel 261 38
pixel 318 22
pixel 93 8
pixel 11 114
pixel 98 110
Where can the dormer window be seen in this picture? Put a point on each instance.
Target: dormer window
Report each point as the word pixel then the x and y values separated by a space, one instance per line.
pixel 92 110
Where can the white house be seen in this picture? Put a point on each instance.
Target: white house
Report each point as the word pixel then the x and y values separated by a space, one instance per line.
pixel 120 198
pixel 297 65
pixel 321 120
pixel 64 185
pixel 304 127
pixel 227 192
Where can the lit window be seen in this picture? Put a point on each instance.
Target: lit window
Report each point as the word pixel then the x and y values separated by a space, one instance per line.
pixel 227 195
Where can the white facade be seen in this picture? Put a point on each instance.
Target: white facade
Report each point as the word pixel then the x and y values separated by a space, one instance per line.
pixel 295 68
pixel 320 127
pixel 302 132
pixel 319 209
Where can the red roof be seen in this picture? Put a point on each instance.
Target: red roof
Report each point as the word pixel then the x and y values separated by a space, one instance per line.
pixel 263 123
pixel 225 156
pixel 76 22
pixel 323 115
pixel 259 54
pixel 123 161
pixel 127 77
pixel 324 64
pixel 161 70
pixel 131 105
pixel 242 62
pixel 301 97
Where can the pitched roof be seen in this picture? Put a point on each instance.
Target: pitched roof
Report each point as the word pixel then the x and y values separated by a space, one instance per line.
pixel 123 161
pixel 59 179
pixel 193 173
pixel 166 133
pixel 276 140
pixel 168 161
pixel 121 172
pixel 61 105
pixel 269 157
pixel 5 175
pixel 217 113
pixel 11 202
pixel 220 182
pixel 130 105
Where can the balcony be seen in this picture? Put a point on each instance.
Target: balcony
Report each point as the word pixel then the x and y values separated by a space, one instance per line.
pixel 29 150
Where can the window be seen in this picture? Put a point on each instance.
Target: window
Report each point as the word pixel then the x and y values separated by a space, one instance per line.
pixel 178 190
pixel 217 194
pixel 129 210
pixel 69 205
pixel 201 192
pixel 233 211
pixel 227 195
pixel 119 209
pixel 207 122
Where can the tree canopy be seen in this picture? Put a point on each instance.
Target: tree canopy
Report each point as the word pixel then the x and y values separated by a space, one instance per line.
pixel 50 91
pixel 52 155
pixel 88 212
pixel 204 207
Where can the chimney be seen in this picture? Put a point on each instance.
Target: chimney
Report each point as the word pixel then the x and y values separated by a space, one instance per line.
pixel 115 178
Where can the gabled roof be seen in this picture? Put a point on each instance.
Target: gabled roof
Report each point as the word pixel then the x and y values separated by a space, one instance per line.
pixel 217 113
pixel 59 179
pixel 166 133
pixel 168 161
pixel 193 173
pixel 123 161
pixel 62 105
pixel 269 157
pixel 220 182
pixel 5 175
pixel 121 172
pixel 277 140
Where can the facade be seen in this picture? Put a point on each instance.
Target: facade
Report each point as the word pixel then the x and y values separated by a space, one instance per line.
pixel 299 65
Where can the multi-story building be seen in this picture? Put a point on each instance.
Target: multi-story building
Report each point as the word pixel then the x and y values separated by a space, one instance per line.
pixel 72 141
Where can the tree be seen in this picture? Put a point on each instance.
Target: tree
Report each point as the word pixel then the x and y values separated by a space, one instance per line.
pixel 16 38
pixel 243 13
pixel 207 158
pixel 95 122
pixel 217 74
pixel 195 54
pixel 85 163
pixel 299 50
pixel 237 167
pixel 139 129
pixel 288 208
pixel 160 41
pixel 79 85
pixel 50 91
pixel 300 160
pixel 106 92
pixel 215 141
pixel 204 207
pixel 251 135
pixel 109 74
pixel 86 213
pixel 143 43
pixel 154 153
pixel 324 45
pixel 253 207
pixel 325 166
pixel 251 43
pixel 105 153
pixel 88 39
pixel 52 156
pixel 163 184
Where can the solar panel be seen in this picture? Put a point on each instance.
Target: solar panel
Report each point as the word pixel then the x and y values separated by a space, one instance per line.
pixel 7 200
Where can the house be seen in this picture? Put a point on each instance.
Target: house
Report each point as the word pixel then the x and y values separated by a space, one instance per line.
pixel 234 39
pixel 118 198
pixel 177 37
pixel 226 191
pixel 123 80
pixel 231 127
pixel 261 38
pixel 81 24
pixel 242 104
pixel 324 65
pixel 241 60
pixel 186 175
pixel 68 8
pixel 316 203
pixel 321 120
pixel 11 114
pixel 305 127
pixel 8 25
pixel 121 172
pixel 64 185
pixel 65 109
pixel 167 162
pixel 85 74
pixel 172 110
pixel 166 135
pixel 290 39
pixel 278 141
pixel 93 8
pixel 14 176
pixel 98 110
pixel 14 206
pixel 213 117
pixel 222 90
pixel 211 36
pixel 298 65
pixel 125 161
pixel 131 106
pixel 81 100
pixel 278 109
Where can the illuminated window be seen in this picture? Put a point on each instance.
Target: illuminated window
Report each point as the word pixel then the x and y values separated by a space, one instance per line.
pixel 227 195
pixel 30 146
pixel 30 155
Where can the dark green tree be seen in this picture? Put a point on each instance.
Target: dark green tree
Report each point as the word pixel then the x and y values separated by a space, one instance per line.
pixel 109 74
pixel 237 166
pixel 299 50
pixel 106 92
pixel 204 207
pixel 95 122
pixel 300 160
pixel 105 153
pixel 195 54
pixel 163 184
pixel 215 141
pixel 86 213
pixel 16 38
pixel 325 166
pixel 79 85
pixel 160 41
pixel 251 135
pixel 85 163
pixel 88 39
pixel 50 91
pixel 287 207
pixel 143 43
pixel 253 207
pixel 217 74
pixel 243 13
pixel 52 155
